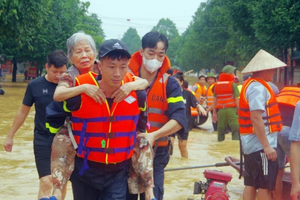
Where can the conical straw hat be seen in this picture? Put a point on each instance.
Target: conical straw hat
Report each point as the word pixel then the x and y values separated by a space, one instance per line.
pixel 263 61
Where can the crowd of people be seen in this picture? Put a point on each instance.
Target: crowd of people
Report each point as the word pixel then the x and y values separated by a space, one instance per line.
pixel 111 114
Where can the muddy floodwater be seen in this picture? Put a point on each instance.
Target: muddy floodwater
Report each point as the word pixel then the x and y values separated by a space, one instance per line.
pixel 19 178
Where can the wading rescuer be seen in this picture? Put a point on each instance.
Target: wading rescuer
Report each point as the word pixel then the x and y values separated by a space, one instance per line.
pixel 225 106
pixel 40 93
pixel 105 133
pixel 200 89
pixel 166 110
pixel 211 80
pixel 260 121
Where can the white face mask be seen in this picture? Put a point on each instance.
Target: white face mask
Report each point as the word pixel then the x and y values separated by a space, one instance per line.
pixel 151 65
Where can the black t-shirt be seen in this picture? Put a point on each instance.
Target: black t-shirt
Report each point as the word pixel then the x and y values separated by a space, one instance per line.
pixel 189 101
pixel 40 93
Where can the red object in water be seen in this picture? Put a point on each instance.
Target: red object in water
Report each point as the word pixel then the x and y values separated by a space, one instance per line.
pixel 217 181
pixel 217 175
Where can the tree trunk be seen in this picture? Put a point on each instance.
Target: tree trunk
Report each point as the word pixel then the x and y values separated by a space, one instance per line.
pixel 292 66
pixel 15 68
pixel 285 74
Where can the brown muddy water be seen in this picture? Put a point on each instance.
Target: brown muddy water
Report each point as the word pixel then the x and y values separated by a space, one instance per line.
pixel 19 179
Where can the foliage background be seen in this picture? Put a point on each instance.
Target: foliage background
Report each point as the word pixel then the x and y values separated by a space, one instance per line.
pixel 220 31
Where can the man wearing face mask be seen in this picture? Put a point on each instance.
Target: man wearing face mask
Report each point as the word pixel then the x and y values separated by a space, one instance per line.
pixel 166 109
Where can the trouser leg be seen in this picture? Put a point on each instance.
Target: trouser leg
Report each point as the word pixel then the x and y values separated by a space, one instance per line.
pixel 222 124
pixel 233 123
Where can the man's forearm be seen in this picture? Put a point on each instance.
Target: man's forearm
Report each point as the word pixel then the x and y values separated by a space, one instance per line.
pixel 139 84
pixel 259 128
pixel 18 121
pixel 62 92
pixel 172 126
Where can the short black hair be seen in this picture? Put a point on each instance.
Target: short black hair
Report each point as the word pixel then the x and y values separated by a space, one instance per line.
pixel 170 71
pixel 179 76
pixel 185 84
pixel 151 39
pixel 116 54
pixel 57 58
pixel 201 76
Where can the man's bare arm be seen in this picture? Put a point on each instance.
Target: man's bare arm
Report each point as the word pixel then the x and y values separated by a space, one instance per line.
pixel 17 123
pixel 259 128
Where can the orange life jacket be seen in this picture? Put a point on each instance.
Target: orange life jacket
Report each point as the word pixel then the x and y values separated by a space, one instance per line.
pixel 104 134
pixel 210 96
pixel 273 114
pixel 287 100
pixel 201 91
pixel 194 111
pixel 289 96
pixel 224 92
pixel 156 95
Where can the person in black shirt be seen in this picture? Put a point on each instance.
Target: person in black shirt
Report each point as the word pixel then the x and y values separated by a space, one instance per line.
pixel 40 93
pixel 189 101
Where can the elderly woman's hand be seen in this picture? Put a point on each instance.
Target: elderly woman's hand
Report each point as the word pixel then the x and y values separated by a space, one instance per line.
pixel 94 92
pixel 122 92
pixel 201 110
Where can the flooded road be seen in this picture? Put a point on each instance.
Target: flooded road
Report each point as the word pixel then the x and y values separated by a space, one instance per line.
pixel 19 178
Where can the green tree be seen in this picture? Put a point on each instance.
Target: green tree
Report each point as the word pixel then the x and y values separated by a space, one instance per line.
pixel 47 30
pixel 17 20
pixel 276 23
pixel 204 42
pixel 168 28
pixel 92 25
pixel 132 40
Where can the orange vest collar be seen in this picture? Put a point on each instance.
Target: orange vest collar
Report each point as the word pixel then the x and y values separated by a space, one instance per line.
pixel 226 77
pixel 136 62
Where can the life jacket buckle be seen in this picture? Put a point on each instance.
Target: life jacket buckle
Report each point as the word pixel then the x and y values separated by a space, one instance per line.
pixel 112 119
pixel 111 135
pixel 109 150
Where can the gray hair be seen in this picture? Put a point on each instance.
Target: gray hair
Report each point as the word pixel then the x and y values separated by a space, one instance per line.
pixel 79 36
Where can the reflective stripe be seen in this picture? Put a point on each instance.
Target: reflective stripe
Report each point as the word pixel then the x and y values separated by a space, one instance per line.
pixel 244 109
pixel 163 78
pixel 246 125
pixel 271 104
pixel 222 82
pixel 65 107
pixel 143 109
pixel 224 95
pixel 175 99
pixel 156 124
pixel 274 115
pixel 156 111
pixel 244 118
pixel 267 124
pixel 52 129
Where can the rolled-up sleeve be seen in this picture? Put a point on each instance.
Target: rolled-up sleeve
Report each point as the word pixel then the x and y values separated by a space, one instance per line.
pixel 176 107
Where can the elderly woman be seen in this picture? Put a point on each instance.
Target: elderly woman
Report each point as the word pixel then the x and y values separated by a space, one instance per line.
pixel 82 54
